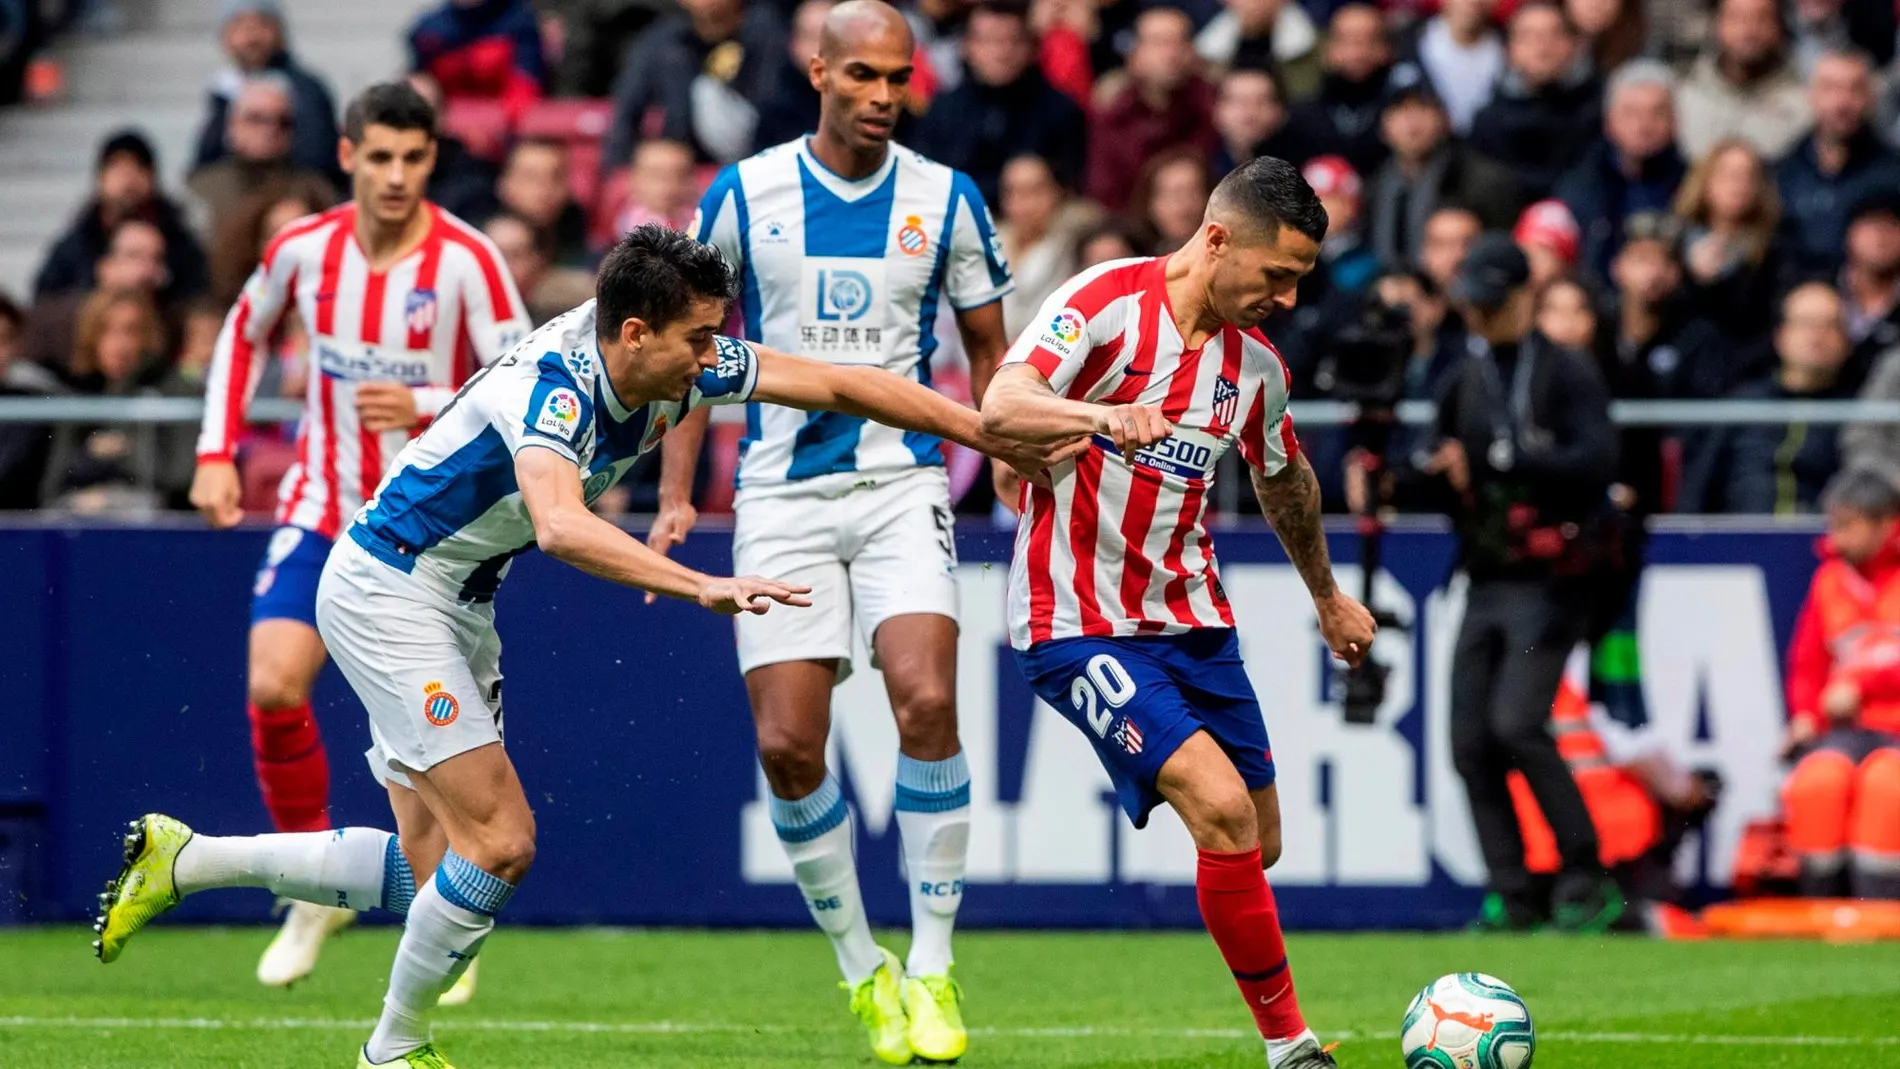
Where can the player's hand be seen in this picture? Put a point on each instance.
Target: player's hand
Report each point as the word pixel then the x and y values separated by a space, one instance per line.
pixel 385 406
pixel 215 493
pixel 749 593
pixel 1346 626
pixel 1801 731
pixel 670 528
pixel 1133 427
pixel 1031 459
pixel 1007 484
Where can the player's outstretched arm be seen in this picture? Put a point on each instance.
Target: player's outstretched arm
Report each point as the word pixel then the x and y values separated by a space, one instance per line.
pixel 1290 500
pixel 877 394
pixel 565 529
pixel 1019 404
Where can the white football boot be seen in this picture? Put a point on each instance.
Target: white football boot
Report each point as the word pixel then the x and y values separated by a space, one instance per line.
pixel 293 954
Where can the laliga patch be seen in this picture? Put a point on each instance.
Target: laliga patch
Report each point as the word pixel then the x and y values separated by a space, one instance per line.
pixel 560 413
pixel 439 707
pixel 1063 335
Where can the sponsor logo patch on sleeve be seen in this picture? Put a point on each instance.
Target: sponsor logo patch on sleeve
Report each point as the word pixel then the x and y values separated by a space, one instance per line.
pixel 1063 334
pixel 560 414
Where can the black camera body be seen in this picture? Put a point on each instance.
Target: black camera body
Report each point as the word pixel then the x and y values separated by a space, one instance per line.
pixel 1366 360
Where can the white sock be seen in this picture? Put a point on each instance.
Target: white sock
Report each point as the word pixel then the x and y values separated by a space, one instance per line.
pixel 816 833
pixel 1277 1049
pixel 451 916
pixel 933 816
pixel 350 868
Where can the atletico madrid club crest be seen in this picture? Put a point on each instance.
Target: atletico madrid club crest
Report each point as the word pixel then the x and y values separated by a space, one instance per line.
pixel 1128 736
pixel 1226 401
pixel 439 707
pixel 911 239
pixel 420 311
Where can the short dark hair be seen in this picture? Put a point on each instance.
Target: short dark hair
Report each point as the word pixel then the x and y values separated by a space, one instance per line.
pixel 655 274
pixel 1005 9
pixel 1267 192
pixel 1864 489
pixel 396 105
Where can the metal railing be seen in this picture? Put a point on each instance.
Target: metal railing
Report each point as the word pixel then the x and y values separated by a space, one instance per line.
pixel 187 410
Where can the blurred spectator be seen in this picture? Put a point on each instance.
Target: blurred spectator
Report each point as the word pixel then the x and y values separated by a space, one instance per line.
pixel 1833 168
pixel 1549 236
pixel 125 186
pixel 1164 103
pixel 706 71
pixel 253 36
pixel 1107 240
pixel 1842 799
pixel 1342 118
pixel 534 186
pixel 1613 31
pixel 660 187
pixel 529 254
pixel 790 110
pixel 1067 29
pixel 1449 233
pixel 1732 213
pixel 1870 282
pixel 1428 169
pixel 1346 264
pixel 938 27
pixel 462 182
pixel 118 352
pixel 591 37
pixel 1823 26
pixel 481 50
pixel 1463 56
pixel 1251 120
pixel 23 446
pixel 1635 167
pixel 1875 444
pixel 1663 348
pixel 134 262
pixel 1743 85
pixel 1566 313
pixel 240 242
pixel 1264 35
pixel 1547 107
pixel 1003 108
pixel 1779 469
pixel 1039 223
pixel 260 139
pixel 1169 200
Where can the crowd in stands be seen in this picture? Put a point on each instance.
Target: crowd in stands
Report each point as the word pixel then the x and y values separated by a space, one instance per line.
pixel 1708 189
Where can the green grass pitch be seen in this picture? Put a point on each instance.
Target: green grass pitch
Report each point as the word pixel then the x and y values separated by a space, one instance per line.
pixel 566 999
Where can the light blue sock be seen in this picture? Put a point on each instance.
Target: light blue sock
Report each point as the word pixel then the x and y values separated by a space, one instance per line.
pixel 448 920
pixel 816 833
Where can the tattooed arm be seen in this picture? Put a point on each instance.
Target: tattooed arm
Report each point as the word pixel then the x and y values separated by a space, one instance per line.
pixel 1290 500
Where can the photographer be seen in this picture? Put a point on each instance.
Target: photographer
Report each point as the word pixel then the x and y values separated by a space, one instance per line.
pixel 1527 450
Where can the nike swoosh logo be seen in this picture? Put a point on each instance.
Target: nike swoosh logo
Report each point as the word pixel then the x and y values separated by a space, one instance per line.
pixel 1265 1001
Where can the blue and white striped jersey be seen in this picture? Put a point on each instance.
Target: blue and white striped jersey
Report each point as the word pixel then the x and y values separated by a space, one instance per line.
pixel 851 272
pixel 450 512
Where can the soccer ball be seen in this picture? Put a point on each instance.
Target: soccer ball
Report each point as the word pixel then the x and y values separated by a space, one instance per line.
pixel 1467 1021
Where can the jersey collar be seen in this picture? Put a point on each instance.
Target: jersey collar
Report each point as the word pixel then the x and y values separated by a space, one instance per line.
pixel 846 189
pixel 617 410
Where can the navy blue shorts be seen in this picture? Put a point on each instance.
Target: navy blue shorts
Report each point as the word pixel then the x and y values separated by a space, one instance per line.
pixel 286 586
pixel 1138 699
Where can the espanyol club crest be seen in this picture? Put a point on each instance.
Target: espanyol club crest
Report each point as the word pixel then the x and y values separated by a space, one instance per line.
pixel 911 239
pixel 1226 401
pixel 655 433
pixel 439 707
pixel 419 308
pixel 1127 736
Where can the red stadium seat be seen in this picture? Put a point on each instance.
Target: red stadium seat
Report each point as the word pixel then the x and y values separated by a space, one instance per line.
pixel 582 125
pixel 481 124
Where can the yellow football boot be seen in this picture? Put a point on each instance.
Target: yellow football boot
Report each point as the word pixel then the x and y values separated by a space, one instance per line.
pixel 143 889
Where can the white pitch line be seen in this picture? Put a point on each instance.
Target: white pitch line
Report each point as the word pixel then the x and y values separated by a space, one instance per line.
pixel 717 1027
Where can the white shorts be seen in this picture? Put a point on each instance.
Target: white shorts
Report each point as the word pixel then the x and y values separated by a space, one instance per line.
pixel 868 553
pixel 427 668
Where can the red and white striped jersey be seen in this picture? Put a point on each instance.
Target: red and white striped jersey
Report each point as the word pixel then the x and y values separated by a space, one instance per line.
pixel 427 322
pixel 1114 548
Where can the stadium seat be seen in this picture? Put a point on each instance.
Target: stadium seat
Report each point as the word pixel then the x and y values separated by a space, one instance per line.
pixel 482 125
pixel 582 125
pixel 264 458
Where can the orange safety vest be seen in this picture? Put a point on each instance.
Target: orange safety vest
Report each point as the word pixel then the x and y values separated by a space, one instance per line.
pixel 1628 821
pixel 1860 623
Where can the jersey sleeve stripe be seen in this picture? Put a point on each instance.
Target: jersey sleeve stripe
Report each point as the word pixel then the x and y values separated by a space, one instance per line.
pixel 501 304
pixel 1095 365
pixel 235 385
pixel 326 405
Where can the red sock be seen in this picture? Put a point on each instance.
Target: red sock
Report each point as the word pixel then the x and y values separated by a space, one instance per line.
pixel 1237 907
pixel 292 769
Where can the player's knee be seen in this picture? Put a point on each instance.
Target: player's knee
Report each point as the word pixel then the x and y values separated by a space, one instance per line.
pixel 1222 820
pixel 927 723
pixel 272 687
pixel 1269 844
pixel 794 765
pixel 507 854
